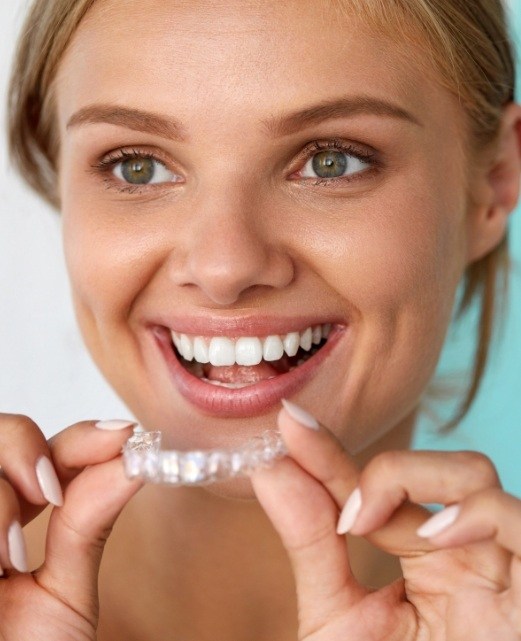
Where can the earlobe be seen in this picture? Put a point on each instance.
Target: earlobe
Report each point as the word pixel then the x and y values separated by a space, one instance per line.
pixel 500 189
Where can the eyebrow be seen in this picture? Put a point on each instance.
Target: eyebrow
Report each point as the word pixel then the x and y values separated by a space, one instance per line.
pixel 276 126
pixel 336 108
pixel 135 119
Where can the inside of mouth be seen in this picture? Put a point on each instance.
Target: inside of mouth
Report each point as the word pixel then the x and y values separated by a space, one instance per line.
pixel 237 376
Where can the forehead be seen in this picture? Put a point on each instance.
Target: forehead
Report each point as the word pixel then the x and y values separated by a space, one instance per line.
pixel 237 57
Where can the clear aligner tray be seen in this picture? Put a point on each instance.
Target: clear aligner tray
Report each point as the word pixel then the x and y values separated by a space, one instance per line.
pixel 144 458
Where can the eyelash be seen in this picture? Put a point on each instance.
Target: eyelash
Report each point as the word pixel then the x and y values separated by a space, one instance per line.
pixel 366 156
pixel 107 163
pixel 105 166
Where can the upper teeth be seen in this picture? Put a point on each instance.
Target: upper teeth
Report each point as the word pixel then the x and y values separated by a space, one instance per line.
pixel 247 350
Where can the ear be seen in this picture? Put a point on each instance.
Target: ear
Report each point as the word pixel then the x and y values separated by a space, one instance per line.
pixel 497 192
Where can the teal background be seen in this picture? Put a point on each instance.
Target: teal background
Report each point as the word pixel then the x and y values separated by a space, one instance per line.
pixel 493 425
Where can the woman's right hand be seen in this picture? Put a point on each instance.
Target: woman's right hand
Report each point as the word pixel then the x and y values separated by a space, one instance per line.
pixel 59 600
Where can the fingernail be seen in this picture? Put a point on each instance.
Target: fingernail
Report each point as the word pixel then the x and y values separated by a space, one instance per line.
pixel 1 571
pixel 16 546
pixel 113 425
pixel 48 480
pixel 301 416
pixel 439 522
pixel 349 512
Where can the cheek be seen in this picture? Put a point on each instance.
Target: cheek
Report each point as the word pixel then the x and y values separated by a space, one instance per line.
pixel 403 253
pixel 397 271
pixel 108 265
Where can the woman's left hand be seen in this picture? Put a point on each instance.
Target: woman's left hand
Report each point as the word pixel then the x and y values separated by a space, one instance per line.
pixel 461 577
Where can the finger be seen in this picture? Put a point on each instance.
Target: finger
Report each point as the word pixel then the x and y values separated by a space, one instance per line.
pixel 304 515
pixel 421 477
pixel 87 443
pixel 12 545
pixel 78 531
pixel 319 453
pixel 485 516
pixel 25 460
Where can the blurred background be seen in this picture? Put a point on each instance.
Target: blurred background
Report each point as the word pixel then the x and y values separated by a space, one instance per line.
pixel 46 373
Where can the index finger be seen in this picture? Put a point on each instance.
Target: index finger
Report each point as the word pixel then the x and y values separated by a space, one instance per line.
pixel 322 455
pixel 87 443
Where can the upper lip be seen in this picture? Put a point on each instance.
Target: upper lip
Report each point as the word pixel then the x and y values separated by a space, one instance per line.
pixel 243 326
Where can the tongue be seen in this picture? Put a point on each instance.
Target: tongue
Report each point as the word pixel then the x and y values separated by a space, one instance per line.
pixel 246 374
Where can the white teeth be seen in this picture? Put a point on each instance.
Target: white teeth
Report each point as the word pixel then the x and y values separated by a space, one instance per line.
pixel 306 339
pixel 221 351
pixel 248 351
pixel 291 343
pixel 273 348
pixel 177 341
pixel 201 354
pixel 187 349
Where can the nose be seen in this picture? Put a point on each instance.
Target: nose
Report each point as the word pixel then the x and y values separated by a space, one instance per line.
pixel 230 249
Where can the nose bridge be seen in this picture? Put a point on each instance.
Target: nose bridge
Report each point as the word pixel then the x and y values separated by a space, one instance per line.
pixel 228 248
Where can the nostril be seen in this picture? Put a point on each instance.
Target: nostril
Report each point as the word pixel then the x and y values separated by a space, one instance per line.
pixel 228 266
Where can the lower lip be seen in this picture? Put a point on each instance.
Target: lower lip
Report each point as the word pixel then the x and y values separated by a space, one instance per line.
pixel 245 401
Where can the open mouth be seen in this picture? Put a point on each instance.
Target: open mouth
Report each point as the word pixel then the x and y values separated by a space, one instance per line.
pixel 235 363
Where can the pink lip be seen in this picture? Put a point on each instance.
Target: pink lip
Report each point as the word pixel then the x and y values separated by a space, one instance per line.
pixel 235 327
pixel 246 401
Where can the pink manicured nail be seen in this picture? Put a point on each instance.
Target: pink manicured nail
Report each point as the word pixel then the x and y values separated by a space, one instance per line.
pixel 349 512
pixel 301 416
pixel 113 425
pixel 48 480
pixel 439 522
pixel 16 546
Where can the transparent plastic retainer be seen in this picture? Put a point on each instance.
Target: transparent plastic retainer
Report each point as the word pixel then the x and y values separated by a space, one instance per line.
pixel 144 458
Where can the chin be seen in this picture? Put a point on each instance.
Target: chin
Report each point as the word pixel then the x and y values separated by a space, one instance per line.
pixel 240 489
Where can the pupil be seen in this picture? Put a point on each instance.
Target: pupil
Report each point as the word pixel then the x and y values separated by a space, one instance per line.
pixel 330 164
pixel 138 171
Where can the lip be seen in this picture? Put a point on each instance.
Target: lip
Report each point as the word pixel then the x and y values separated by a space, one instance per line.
pixel 246 401
pixel 234 327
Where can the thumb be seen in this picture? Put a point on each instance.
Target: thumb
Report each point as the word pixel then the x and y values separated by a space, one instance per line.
pixel 305 516
pixel 78 531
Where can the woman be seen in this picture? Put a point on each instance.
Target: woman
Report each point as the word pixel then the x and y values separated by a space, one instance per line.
pixel 236 177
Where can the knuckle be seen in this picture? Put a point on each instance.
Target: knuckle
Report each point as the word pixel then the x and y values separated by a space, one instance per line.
pixel 384 465
pixel 478 467
pixel 18 425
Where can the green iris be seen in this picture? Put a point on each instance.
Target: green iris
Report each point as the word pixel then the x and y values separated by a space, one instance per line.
pixel 329 164
pixel 138 171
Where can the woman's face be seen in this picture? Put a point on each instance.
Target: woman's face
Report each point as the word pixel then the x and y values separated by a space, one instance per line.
pixel 240 170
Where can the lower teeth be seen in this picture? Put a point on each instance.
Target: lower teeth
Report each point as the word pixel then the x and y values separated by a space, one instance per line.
pixel 223 384
pixel 229 385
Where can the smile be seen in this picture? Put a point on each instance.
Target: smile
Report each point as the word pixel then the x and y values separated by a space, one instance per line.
pixel 240 362
pixel 239 376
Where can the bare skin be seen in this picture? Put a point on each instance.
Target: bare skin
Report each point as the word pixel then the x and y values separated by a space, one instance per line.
pixel 236 227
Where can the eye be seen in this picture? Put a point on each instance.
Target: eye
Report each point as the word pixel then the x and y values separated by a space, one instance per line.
pixel 142 170
pixel 334 163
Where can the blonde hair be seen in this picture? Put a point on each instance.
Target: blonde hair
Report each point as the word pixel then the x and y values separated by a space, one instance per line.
pixel 466 40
